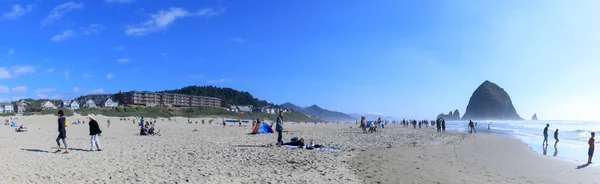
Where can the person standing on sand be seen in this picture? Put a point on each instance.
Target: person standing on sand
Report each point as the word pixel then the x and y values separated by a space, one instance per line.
pixel 556 137
pixel 489 130
pixel 443 125
pixel 108 122
pixel 363 124
pixel 279 128
pixel 546 134
pixel 438 125
pixel 472 127
pixel 591 148
pixel 94 133
pixel 62 132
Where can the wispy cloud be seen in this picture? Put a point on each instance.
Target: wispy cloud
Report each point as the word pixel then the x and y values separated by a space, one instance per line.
pixel 110 76
pixel 195 77
pixel 97 91
pixel 76 89
pixel 59 11
pixel 21 70
pixel 123 60
pixel 17 11
pixel 91 29
pixel 11 51
pixel 120 48
pixel 162 19
pixel 62 36
pixel 45 90
pixel 120 1
pixel 19 89
pixel 375 113
pixel 4 73
pixel 4 89
pixel 87 75
pixel 237 39
pixel 220 81
pixel 42 96
pixel 67 75
pixel 50 70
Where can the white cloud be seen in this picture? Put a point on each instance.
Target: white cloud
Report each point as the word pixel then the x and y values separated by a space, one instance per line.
pixel 42 96
pixel 123 60
pixel 87 75
pixel 162 19
pixel 91 29
pixel 59 11
pixel 76 89
pixel 4 89
pixel 20 89
pixel 20 70
pixel 11 51
pixel 220 81
pixel 17 11
pixel 67 75
pixel 46 90
pixel 120 1
pixel 237 39
pixel 97 91
pixel 50 70
pixel 195 77
pixel 4 73
pixel 64 35
pixel 110 76
pixel 120 48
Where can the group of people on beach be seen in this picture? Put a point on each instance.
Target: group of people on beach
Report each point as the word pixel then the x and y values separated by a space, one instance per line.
pixel 95 132
pixel 591 142
pixel 371 126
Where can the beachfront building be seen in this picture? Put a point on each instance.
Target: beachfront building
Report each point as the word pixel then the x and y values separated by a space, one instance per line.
pixel 89 104
pixel 96 97
pixel 74 105
pixel 268 110
pixel 47 105
pixel 109 103
pixel 20 107
pixel 148 98
pixel 6 108
pixel 245 108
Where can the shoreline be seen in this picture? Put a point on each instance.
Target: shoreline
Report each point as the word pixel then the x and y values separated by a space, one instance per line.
pixel 473 159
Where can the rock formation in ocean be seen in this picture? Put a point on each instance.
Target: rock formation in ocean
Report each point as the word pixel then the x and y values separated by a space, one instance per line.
pixel 490 102
pixel 450 116
pixel 534 117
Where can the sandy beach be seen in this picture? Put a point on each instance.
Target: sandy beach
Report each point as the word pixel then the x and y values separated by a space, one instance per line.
pixel 203 153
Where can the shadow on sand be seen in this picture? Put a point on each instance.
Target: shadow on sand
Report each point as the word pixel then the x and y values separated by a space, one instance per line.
pixel 36 150
pixel 253 146
pixel 582 166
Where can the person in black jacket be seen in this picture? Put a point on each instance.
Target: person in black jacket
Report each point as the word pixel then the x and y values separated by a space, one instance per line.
pixel 62 132
pixel 94 132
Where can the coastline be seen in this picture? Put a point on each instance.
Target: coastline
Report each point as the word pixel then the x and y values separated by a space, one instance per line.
pixel 473 158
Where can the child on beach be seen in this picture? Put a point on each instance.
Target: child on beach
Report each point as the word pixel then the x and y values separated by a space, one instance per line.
pixel 591 148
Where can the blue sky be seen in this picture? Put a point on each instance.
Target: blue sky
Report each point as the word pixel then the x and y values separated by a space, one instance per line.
pixel 410 59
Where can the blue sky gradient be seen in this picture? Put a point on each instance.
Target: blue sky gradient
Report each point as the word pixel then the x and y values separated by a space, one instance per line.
pixel 410 59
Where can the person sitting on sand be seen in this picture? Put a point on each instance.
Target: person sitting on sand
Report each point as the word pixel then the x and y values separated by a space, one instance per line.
pixel 296 142
pixel 21 128
pixel 143 131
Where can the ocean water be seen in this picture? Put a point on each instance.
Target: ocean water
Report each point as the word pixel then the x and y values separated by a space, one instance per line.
pixel 572 135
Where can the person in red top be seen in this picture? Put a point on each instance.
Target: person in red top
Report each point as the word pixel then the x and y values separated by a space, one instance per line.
pixel 591 149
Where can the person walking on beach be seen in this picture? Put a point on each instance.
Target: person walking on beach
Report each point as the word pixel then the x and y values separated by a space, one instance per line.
pixel 108 123
pixel 546 134
pixel 62 132
pixel 489 129
pixel 279 128
pixel 591 148
pixel 94 133
pixel 438 124
pixel 556 137
pixel 471 127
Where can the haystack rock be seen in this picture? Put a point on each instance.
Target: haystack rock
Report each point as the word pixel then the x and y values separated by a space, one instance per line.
pixel 490 102
pixel 534 117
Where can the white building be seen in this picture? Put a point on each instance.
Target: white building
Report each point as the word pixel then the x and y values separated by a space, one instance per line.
pixel 48 105
pixel 90 104
pixel 6 108
pixel 74 105
pixel 109 103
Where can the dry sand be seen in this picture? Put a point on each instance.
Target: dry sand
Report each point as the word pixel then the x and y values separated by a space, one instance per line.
pixel 214 154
